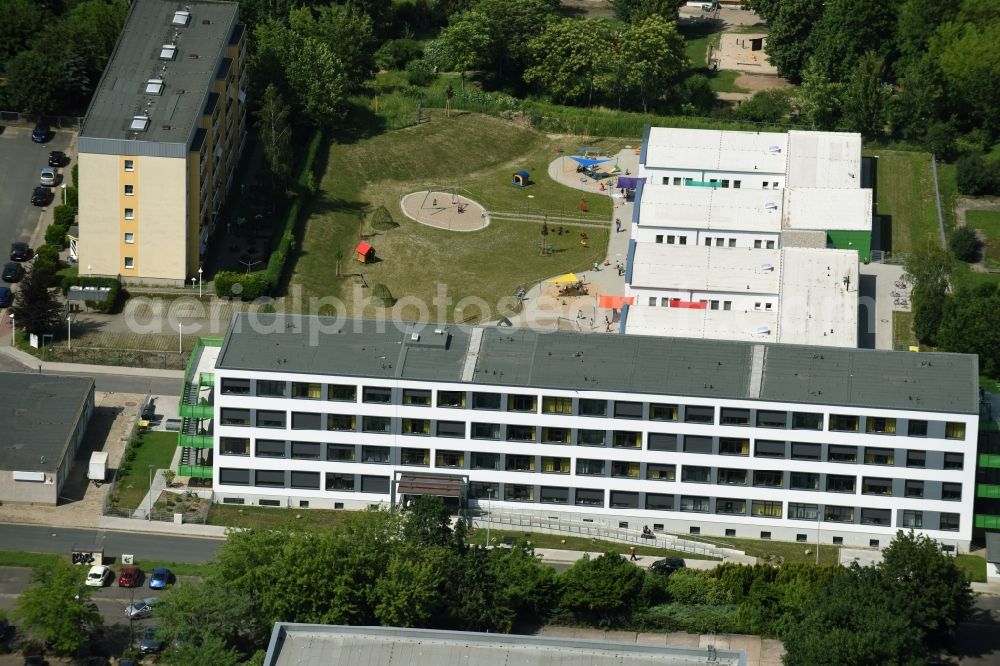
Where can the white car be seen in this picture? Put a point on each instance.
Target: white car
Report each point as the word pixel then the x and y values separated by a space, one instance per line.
pixel 99 576
pixel 48 177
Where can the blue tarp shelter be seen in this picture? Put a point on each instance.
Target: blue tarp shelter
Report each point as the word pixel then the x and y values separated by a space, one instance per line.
pixel 589 162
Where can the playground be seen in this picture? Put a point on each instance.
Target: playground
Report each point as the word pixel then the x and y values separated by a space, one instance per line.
pixel 442 209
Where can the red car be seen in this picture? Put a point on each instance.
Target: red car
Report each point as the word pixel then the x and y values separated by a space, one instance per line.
pixel 130 577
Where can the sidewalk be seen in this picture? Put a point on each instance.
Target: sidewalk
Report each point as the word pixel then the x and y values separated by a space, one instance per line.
pixel 554 556
pixel 160 527
pixel 991 589
pixel 32 362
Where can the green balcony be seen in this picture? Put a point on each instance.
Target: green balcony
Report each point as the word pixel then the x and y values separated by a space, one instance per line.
pixel 194 471
pixel 206 379
pixel 203 410
pixel 991 460
pixel 195 441
pixel 988 522
pixel 991 490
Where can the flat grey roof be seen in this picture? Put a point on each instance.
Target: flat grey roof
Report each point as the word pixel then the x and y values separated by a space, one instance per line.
pixel 38 416
pixel 321 645
pixel 187 78
pixel 875 379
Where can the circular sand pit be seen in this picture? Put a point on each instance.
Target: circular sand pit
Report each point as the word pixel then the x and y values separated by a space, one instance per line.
pixel 445 210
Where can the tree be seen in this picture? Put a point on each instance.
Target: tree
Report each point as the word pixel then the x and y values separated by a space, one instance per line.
pixel 211 651
pixel 345 30
pixel 928 313
pixel 976 176
pixel 566 64
pixel 929 589
pixel 766 106
pixel 790 35
pixel 969 59
pixel 601 590
pixel 57 608
pixel 37 310
pixel 22 21
pixel 928 267
pixel 475 597
pixel 275 136
pixel 635 11
pixel 408 592
pixel 970 324
pixel 864 97
pixel 528 587
pixel 921 97
pixel 916 22
pixel 850 28
pixel 213 609
pixel 964 244
pixel 818 98
pixel 650 59
pixel 428 522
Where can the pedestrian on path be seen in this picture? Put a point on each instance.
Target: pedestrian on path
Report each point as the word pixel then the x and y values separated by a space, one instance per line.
pixel 618 225
pixel 631 554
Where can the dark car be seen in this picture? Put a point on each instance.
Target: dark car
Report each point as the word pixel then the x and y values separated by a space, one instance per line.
pixel 41 133
pixel 667 565
pixel 57 158
pixel 42 196
pixel 20 251
pixel 150 644
pixel 6 297
pixel 12 272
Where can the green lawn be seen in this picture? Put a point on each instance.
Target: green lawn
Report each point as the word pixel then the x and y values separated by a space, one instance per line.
pixel 477 154
pixel 974 567
pixel 563 542
pixel 19 558
pixel 698 37
pixel 788 550
pixel 151 448
pixel 902 330
pixel 262 517
pixel 987 221
pixel 724 80
pixel 906 194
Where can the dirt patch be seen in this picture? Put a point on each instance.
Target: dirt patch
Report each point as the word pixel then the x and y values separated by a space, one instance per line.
pixel 445 210
pixel 170 502
pixel 757 82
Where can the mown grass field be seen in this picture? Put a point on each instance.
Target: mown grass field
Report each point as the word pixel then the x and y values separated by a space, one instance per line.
pixel 262 517
pixel 974 567
pixel 906 194
pixel 151 448
pixel 790 551
pixel 586 544
pixel 988 222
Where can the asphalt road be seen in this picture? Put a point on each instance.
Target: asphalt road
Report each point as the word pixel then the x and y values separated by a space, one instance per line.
pixel 21 160
pixel 40 539
pixel 124 383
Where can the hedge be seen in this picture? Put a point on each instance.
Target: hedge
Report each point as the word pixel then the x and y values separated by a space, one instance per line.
pixel 245 286
pixel 63 216
pixel 108 305
pixel 55 235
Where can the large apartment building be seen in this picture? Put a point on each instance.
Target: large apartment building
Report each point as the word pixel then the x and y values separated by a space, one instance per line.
pixel 161 141
pixel 687 436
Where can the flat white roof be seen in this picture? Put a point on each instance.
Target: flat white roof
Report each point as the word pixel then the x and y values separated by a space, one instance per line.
pixel 730 209
pixel 827 209
pixel 700 268
pixel 716 150
pixel 743 325
pixel 819 297
pixel 824 159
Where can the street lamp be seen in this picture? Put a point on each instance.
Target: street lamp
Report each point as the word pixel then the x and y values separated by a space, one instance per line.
pixel 489 516
pixel 64 193
pixel 149 496
pixel 199 281
pixel 180 338
pixel 69 332
pixel 13 342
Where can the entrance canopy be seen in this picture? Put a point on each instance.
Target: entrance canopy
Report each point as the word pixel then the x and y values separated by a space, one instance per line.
pixel 419 484
pixel 614 302
pixel 629 182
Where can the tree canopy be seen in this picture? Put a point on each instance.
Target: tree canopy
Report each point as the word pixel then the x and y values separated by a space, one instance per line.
pixel 57 608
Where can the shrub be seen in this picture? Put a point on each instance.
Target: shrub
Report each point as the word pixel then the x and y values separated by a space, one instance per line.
pixel 47 253
pixel 976 176
pixel 964 244
pixel 63 216
pixel 244 286
pixel 382 296
pixel 72 197
pixel 75 175
pixel 395 53
pixel 420 73
pixel 55 235
pixel 939 138
pixel 694 618
pixel 766 106
pixel 381 219
pixel 109 304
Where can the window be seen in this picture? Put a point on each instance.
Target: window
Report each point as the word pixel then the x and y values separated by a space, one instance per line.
pixel 233 500
pixel 913 519
pixel 802 538
pixel 798 511
pixel 737 184
pixel 879 456
pixel 555 465
pixel 455 399
pixel 376 394
pixel 130 213
pixel 843 454
pixel 270 389
pixel 307 391
pixel 624 500
pixel 521 403
pixel 486 401
pixel 234 446
pixel 306 421
pixel 234 417
pixel 770 246
pixel 589 497
pixel 768 478
pixel 756 306
pixel 659 238
pixel 765 509
pixel 340 422
pixel 129 190
pixel 450 429
pixel 624 439
pixel 130 165
pixel 916 458
pixel 838 514
pixel 129 262
pixel 843 422
pixel 556 435
pixel 517 493
pixel 129 237
pixel 652 300
pixel 708 242
pixel 695 474
pixel 270 419
pixel 695 504
pixel 694 414
pixel 269 478
pixel 732 416
pixel 768 449
pixel 951 492
pixel 916 428
pixel 340 453
pixel 949 522
pixel 670 239
pixel 725 183
pixel 554 405
pixel 662 441
pixel 803 481
pixel 913 488
pixel 485 431
pixel 342 393
pixel 766 419
pixel 954 430
pixel 306 451
pixel 586 467
pixel 840 484
pixel 628 470
pixel 376 424
pixel 550 495
pixel 520 463
pixel 342 482
pixel 375 484
pixel 880 425
pixel 757 245
pixel 682 240
pixel 235 387
pixel 838 541
pixel 774 184
pixel 807 421
pixel 677 180
pixel 694 530
pixel 485 461
pixel 732 243
pixel 661 412
pixel 655 502
pixel 656 472
pixel 954 460
pixel 417 397
pixel 734 447
pixel 449 459
pixel 234 477
pixel 520 433
pixel 802 451
pixel 416 427
pixel 591 438
pixel 628 410
pixel 731 477
pixel 307 480
pixel 378 455
pixel 481 490
pixel 870 486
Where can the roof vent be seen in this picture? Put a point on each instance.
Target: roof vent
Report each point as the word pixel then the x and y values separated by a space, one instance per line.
pixel 206 22
pixel 154 87
pixel 770 205
pixel 766 267
pixel 774 148
pixel 139 123
pixel 168 51
pixel 181 17
pixel 438 331
pixel 414 337
pixel 763 330
pixel 193 56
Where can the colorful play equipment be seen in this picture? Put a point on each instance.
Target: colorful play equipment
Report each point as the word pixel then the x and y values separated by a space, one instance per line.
pixel 365 252
pixel 521 179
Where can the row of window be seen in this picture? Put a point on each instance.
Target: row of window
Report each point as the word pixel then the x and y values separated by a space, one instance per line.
pixel 621 409
pixel 721 182
pixel 710 241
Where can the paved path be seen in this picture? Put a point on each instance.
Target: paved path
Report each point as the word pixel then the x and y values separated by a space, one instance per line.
pixel 117 379
pixel 877 303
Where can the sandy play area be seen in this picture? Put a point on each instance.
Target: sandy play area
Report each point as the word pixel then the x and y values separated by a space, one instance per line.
pixel 445 210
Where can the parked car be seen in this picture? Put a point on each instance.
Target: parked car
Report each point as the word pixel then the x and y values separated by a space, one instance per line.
pixel 12 272
pixel 57 158
pixel 99 575
pixel 129 577
pixel 49 176
pixel 667 565
pixel 150 644
pixel 159 578
pixel 141 608
pixel 42 196
pixel 6 297
pixel 20 251
pixel 41 133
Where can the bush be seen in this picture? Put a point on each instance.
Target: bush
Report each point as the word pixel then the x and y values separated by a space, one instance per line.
pixel 75 175
pixel 939 138
pixel 395 53
pixel 244 286
pixel 767 106
pixel 55 235
pixel 47 253
pixel 381 219
pixel 964 244
pixel 64 216
pixel 73 198
pixel 419 73
pixel 108 305
pixel 694 618
pixel 976 176
pixel 382 296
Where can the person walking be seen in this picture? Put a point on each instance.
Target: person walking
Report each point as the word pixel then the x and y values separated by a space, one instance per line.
pixel 618 225
pixel 631 554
